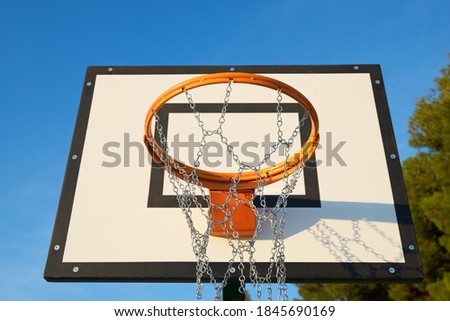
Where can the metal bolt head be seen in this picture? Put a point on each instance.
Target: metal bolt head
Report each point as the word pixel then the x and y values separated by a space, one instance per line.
pixel 110 69
pixel 56 247
pixel 391 270
pixel 88 84
pixel 393 156
pixel 232 270
pixel 232 69
pixel 74 157
pixel 355 67
pixel 411 247
pixel 75 269
pixel 377 82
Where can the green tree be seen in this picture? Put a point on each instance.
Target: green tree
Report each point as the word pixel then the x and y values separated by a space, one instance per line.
pixel 427 178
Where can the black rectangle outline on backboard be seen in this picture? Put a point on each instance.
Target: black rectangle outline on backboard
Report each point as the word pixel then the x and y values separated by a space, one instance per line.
pixel 311 198
pixel 300 272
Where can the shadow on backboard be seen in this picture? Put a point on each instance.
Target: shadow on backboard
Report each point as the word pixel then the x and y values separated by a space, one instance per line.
pixel 357 241
pixel 345 231
pixel 301 219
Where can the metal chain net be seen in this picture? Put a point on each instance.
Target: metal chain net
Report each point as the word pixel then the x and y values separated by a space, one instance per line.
pixel 191 194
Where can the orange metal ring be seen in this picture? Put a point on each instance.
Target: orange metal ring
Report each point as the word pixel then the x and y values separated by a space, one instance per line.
pixel 248 180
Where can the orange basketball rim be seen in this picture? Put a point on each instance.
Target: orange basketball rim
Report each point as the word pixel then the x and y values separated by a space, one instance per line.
pixel 243 218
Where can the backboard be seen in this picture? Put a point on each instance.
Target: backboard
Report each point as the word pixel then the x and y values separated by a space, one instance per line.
pixel 348 219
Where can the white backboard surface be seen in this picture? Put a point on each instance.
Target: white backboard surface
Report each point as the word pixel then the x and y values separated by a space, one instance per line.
pixel 348 219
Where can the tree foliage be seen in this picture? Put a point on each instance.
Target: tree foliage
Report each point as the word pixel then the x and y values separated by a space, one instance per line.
pixel 427 178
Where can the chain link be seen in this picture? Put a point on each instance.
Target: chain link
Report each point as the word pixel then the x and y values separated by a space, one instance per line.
pixel 189 192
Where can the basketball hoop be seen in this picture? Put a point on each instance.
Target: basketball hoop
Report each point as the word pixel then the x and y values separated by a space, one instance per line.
pixel 231 211
pixel 221 181
pixel 202 211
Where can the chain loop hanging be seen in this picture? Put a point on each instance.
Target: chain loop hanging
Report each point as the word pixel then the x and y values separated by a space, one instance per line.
pixel 191 195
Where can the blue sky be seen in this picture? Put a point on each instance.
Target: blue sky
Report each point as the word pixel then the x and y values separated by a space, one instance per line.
pixel 47 45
